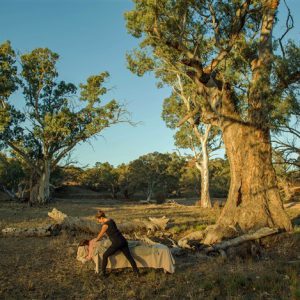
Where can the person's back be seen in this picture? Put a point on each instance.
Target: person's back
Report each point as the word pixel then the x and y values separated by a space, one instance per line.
pixel 113 232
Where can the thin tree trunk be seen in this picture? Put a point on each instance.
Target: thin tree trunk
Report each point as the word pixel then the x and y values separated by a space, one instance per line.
pixel 149 195
pixel 205 200
pixel 205 196
pixel 113 191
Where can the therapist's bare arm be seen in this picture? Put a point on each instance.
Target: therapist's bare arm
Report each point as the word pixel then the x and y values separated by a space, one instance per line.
pixel 102 232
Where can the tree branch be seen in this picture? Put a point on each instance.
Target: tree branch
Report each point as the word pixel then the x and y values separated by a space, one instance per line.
pixel 237 25
pixel 289 25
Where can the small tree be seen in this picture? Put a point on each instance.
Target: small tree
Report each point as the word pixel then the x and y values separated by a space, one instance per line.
pixel 219 177
pixel 193 134
pixel 72 175
pixel 108 177
pixel 8 81
pixel 54 122
pixel 154 172
pixel 11 173
pixel 126 186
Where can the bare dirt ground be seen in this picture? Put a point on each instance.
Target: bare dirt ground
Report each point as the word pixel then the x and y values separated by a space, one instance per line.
pixel 46 268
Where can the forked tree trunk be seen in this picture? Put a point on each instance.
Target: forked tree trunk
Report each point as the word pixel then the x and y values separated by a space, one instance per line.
pixel 40 188
pixel 150 188
pixel 149 195
pixel 253 200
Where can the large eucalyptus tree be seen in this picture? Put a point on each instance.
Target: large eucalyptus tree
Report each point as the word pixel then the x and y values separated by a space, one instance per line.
pixel 54 119
pixel 226 50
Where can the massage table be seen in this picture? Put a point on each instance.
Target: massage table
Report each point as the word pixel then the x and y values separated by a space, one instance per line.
pixel 157 256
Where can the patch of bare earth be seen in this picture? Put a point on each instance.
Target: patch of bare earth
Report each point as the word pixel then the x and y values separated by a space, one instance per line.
pixel 46 268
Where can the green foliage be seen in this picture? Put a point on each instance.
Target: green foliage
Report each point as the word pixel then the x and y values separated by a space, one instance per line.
pixel 219 171
pixel 72 175
pixel 174 110
pixel 103 177
pixel 125 183
pixel 155 172
pixel 190 180
pixel 286 100
pixel 55 121
pixel 54 118
pixel 215 46
pixel 11 172
pixel 8 81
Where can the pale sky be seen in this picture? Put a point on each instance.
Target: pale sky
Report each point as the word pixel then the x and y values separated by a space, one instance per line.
pixel 90 37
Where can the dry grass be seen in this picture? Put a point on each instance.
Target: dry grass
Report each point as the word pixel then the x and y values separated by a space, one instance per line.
pixel 45 268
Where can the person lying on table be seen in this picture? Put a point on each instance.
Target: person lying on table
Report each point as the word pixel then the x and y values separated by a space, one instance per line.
pixel 118 241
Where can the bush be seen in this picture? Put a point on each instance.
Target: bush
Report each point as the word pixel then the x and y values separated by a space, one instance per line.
pixel 160 197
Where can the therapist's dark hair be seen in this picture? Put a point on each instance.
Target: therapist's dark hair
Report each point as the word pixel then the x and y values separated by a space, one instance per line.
pixel 100 214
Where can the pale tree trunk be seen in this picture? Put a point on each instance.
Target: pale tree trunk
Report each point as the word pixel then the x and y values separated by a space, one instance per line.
pixel 205 196
pixel 40 188
pixel 149 193
pixel 151 185
pixel 202 166
pixel 205 200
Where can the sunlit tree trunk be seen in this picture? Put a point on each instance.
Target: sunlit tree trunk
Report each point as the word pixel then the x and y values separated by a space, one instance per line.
pixel 205 200
pixel 253 200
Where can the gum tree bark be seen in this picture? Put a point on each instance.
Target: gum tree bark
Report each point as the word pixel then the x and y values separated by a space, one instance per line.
pixel 234 91
pixel 253 200
pixel 202 135
pixel 40 185
pixel 205 200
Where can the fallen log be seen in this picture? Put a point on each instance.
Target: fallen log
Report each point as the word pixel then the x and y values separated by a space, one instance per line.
pixel 172 202
pixel 262 232
pixel 145 239
pixel 194 236
pixel 151 225
pixel 63 221
pixel 73 223
pixel 49 230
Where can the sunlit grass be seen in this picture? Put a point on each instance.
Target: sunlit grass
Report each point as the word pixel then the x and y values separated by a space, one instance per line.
pixel 46 268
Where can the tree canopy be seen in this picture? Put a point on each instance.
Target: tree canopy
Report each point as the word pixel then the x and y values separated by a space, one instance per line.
pixel 224 46
pixel 244 84
pixel 55 118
